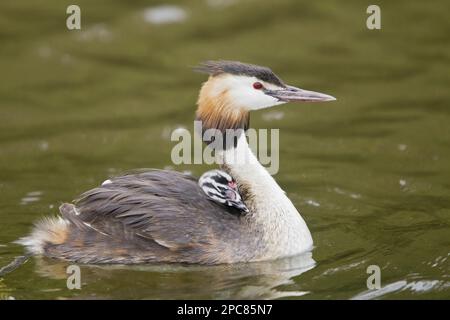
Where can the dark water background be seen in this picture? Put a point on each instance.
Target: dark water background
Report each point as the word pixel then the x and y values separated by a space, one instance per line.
pixel 370 173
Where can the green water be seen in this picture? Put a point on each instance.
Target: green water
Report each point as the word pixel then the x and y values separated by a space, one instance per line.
pixel 370 173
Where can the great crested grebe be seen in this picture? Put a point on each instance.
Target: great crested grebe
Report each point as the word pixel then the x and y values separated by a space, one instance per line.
pixel 165 216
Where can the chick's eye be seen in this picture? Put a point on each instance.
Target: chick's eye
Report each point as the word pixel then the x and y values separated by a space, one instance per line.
pixel 257 85
pixel 230 195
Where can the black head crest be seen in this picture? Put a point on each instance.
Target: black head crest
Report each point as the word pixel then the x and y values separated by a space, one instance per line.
pixel 215 68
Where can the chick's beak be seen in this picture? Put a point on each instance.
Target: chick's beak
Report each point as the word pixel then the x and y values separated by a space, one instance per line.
pixel 293 94
pixel 240 206
pixel 243 208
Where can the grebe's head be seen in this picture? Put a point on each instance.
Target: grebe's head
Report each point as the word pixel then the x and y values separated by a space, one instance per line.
pixel 235 88
pixel 220 187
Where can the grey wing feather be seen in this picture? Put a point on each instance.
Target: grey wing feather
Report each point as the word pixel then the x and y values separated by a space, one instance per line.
pixel 69 212
pixel 166 206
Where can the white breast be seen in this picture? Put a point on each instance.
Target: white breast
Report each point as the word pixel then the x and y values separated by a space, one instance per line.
pixel 273 217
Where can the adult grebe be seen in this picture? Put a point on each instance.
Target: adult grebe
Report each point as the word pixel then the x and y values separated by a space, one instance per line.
pixel 164 216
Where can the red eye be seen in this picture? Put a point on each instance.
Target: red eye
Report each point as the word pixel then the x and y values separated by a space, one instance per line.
pixel 257 85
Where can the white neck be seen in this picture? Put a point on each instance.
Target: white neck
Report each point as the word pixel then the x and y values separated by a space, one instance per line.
pixel 272 216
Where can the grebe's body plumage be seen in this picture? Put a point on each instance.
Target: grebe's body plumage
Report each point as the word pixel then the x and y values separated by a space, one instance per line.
pixel 154 216
pixel 164 216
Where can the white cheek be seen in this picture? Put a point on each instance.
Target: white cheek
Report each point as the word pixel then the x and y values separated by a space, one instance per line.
pixel 265 101
pixel 253 99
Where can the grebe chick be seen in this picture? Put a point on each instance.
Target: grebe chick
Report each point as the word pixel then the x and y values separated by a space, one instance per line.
pixel 164 216
pixel 220 187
